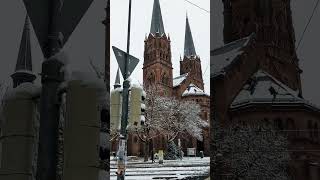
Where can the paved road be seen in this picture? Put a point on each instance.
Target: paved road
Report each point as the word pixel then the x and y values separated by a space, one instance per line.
pixel 173 170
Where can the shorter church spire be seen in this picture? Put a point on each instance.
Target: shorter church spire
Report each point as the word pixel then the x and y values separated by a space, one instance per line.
pixel 189 49
pixel 23 70
pixel 156 22
pixel 117 81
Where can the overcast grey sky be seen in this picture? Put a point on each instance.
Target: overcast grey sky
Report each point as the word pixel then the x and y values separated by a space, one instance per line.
pixel 174 17
pixel 87 41
pixel 308 51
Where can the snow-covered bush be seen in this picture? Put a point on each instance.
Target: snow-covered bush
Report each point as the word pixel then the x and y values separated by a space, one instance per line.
pixel 172 152
pixel 249 152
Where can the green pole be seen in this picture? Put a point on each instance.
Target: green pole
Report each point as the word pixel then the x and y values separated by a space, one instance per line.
pixel 122 150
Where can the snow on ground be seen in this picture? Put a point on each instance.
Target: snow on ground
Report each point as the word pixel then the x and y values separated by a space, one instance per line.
pixel 170 169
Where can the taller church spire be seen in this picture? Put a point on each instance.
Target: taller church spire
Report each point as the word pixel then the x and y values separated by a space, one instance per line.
pixel 189 49
pixel 157 65
pixel 156 22
pixel 23 70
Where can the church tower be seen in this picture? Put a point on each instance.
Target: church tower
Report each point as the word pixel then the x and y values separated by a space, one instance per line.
pixel 157 67
pixel 23 70
pixel 271 21
pixel 191 62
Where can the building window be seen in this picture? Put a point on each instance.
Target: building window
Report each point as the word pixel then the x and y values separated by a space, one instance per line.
pixel 310 129
pixel 165 79
pixel 278 123
pixel 263 8
pixel 151 78
pixel 316 133
pixel 135 139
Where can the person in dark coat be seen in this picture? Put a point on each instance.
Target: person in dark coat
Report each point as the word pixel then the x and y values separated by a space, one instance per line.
pixel 152 155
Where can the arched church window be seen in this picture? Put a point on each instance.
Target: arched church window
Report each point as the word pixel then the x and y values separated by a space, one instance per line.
pixel 279 124
pixel 291 127
pixel 263 8
pixel 316 133
pixel 165 79
pixel 151 78
pixel 246 21
pixel 310 129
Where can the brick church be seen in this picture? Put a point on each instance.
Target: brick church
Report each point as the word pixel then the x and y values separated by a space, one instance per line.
pixel 188 86
pixel 256 76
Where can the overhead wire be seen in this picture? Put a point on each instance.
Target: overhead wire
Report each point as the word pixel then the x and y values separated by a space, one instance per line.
pixel 308 23
pixel 197 6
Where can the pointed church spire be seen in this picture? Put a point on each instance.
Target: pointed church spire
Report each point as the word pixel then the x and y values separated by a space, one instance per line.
pixel 156 22
pixel 24 61
pixel 23 70
pixel 189 49
pixel 117 81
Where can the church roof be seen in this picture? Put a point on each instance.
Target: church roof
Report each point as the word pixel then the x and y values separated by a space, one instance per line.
pixel 193 90
pixel 24 61
pixel 177 81
pixel 223 57
pixel 189 49
pixel 264 88
pixel 156 22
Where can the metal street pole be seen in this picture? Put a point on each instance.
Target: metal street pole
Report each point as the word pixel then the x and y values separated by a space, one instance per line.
pixel 49 113
pixel 122 150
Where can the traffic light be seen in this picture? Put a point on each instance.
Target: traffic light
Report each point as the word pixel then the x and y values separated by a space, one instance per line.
pixel 115 108
pixel 137 107
pixel 143 108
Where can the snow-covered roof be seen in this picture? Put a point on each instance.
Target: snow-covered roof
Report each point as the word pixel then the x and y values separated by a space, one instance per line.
pixel 89 79
pixel 25 90
pixel 178 80
pixel 193 90
pixel 61 56
pixel 222 57
pixel 24 71
pixel 264 88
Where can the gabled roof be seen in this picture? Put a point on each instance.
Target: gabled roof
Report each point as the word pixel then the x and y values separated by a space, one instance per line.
pixel 189 49
pixel 264 88
pixel 156 22
pixel 223 57
pixel 177 81
pixel 193 90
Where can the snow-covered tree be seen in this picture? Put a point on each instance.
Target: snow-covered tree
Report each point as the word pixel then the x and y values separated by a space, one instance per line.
pixel 168 117
pixel 250 152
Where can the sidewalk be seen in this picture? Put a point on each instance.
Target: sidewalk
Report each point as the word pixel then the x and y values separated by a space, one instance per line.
pixel 170 169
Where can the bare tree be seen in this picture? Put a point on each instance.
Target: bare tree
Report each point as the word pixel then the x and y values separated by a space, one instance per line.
pixel 250 152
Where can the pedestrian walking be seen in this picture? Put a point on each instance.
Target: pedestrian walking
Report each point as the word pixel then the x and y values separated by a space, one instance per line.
pixel 152 155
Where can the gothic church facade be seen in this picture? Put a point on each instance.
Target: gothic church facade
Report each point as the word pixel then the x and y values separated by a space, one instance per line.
pixel 158 72
pixel 256 77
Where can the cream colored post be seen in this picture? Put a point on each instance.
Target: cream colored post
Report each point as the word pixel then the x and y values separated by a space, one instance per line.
pixel 18 138
pixel 82 133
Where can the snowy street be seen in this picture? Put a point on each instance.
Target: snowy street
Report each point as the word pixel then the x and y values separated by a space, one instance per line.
pixel 170 169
